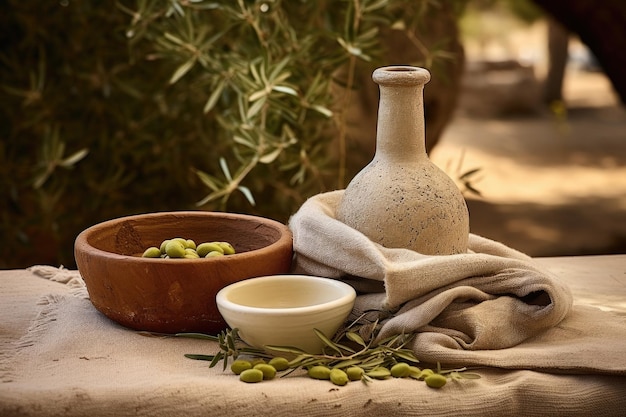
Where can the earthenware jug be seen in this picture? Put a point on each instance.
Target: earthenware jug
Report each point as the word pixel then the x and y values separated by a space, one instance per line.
pixel 401 199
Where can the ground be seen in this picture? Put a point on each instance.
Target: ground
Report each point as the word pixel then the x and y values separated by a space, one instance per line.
pixel 549 186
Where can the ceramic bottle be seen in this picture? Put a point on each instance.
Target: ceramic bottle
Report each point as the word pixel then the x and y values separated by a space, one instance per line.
pixel 401 199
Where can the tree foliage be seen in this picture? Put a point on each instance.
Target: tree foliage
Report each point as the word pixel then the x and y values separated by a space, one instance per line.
pixel 109 109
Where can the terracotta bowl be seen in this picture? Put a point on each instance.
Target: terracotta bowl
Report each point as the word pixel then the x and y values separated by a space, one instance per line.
pixel 175 295
pixel 284 310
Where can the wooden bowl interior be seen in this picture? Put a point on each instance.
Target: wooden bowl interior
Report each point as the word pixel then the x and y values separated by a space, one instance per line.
pixel 131 236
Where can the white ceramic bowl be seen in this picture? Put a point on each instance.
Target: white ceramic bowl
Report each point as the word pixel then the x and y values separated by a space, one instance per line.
pixel 283 310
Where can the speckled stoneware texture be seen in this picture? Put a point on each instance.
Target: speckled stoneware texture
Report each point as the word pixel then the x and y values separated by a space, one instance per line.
pixel 401 199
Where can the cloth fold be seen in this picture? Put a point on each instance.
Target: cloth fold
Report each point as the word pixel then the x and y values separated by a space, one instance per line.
pixel 490 298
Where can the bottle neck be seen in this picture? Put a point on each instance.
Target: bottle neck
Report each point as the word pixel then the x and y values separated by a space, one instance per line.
pixel 400 133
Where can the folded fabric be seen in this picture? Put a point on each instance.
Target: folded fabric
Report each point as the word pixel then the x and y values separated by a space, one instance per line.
pixel 490 298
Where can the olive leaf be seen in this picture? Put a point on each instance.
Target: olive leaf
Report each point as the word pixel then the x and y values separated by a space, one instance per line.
pixel 327 341
pixel 347 363
pixel 467 375
pixel 182 70
pixel 285 349
pixel 355 337
pixel 200 357
pixel 407 355
pixel 219 357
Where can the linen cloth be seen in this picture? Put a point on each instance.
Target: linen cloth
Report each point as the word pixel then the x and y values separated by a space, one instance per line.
pixel 490 306
pixel 60 357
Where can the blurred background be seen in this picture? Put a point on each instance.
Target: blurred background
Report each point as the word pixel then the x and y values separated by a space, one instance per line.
pixel 552 165
pixel 254 106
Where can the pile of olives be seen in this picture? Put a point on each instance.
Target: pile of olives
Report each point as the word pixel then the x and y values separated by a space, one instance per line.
pixel 257 370
pixel 187 249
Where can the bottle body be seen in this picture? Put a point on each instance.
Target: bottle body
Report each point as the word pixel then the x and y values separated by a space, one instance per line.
pixel 401 199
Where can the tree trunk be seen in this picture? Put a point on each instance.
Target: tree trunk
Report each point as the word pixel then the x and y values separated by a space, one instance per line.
pixel 601 25
pixel 558 40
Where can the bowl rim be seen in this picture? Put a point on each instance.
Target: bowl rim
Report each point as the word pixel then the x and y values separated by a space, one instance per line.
pixel 348 297
pixel 81 242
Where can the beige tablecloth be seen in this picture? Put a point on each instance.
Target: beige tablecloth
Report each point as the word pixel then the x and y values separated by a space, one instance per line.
pixel 59 356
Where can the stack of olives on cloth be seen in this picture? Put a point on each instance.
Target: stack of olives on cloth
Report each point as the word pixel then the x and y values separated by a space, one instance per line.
pixel 187 249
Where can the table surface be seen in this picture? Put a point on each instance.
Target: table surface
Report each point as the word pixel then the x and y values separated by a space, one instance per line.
pixel 157 379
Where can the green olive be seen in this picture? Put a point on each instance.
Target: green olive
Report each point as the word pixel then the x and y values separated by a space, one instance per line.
pixel 339 377
pixel 257 361
pixel 425 373
pixel 181 240
pixel 204 248
pixel 435 380
pixel 319 372
pixel 175 249
pixel 379 373
pixel 240 365
pixel 414 372
pixel 227 248
pixel 279 363
pixel 355 373
pixel 400 370
pixel 179 247
pixel 152 252
pixel 163 244
pixel 251 375
pixel 269 372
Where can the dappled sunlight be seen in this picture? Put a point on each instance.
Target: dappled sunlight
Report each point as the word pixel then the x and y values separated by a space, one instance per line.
pixel 509 179
pixel 550 183
pixel 535 231
pixel 605 302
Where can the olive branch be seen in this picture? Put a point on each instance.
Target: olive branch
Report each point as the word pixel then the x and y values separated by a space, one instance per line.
pixel 347 349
